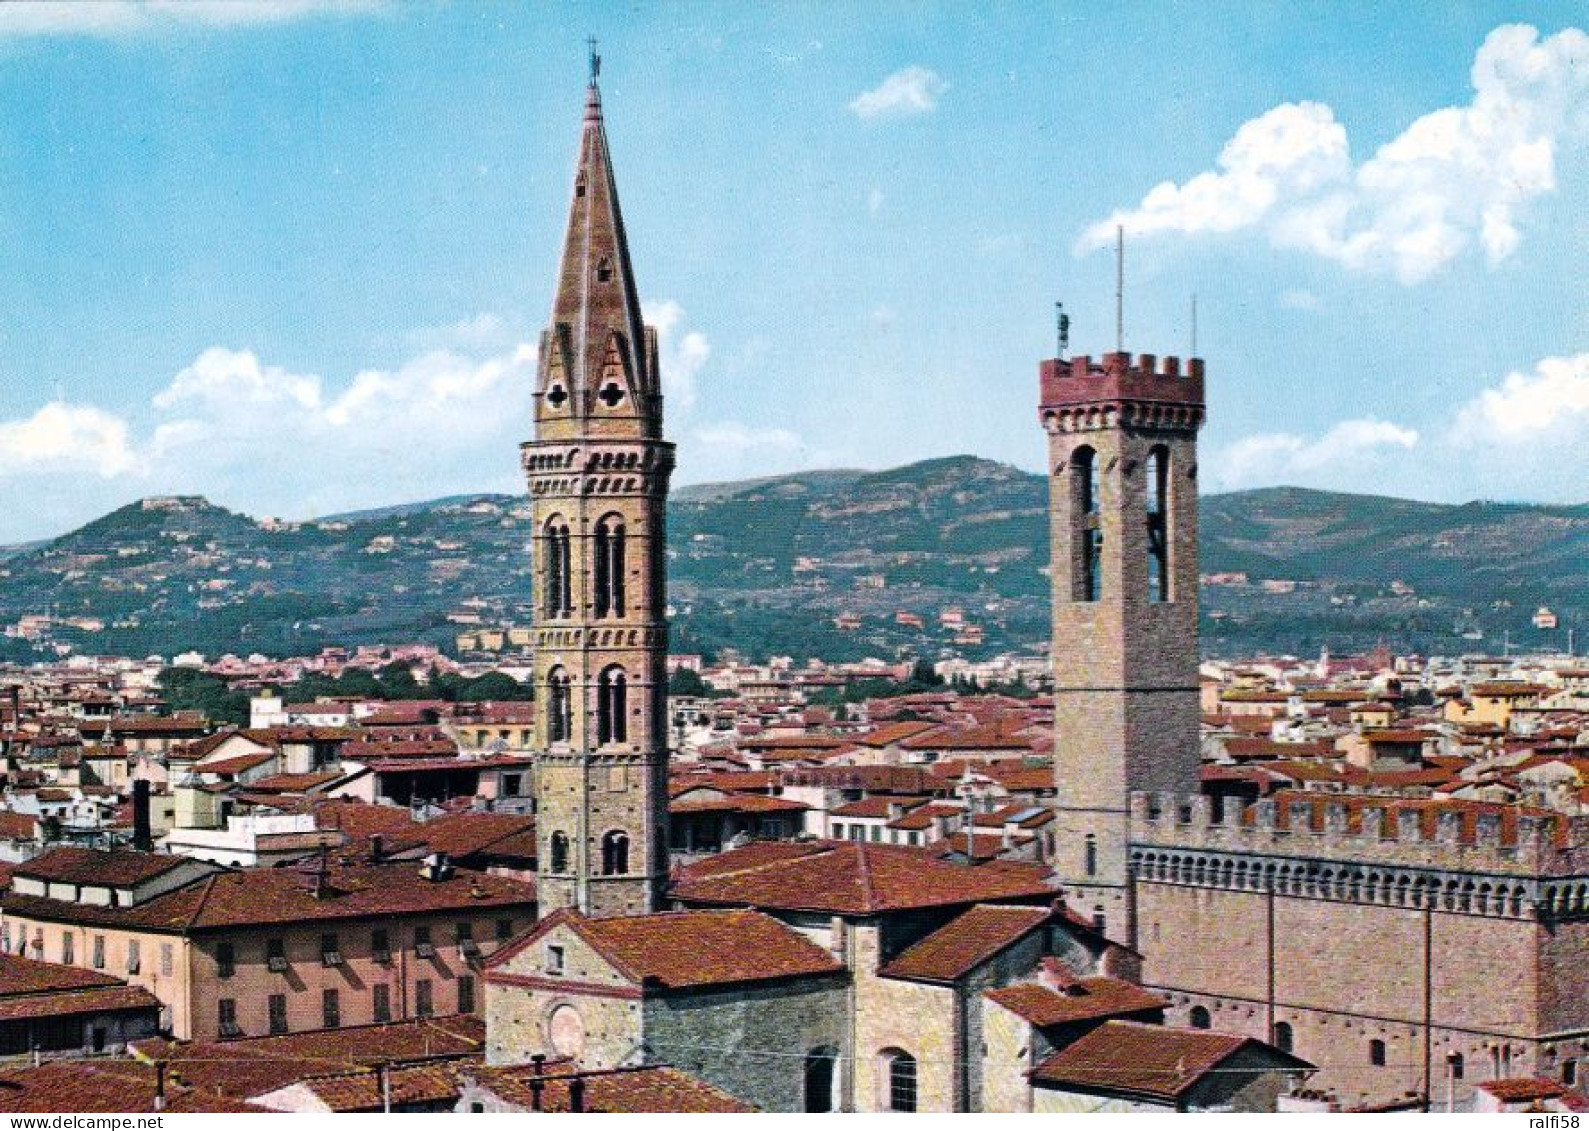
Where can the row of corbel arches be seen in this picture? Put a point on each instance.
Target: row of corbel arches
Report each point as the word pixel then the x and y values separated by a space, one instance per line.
pixel 1356 883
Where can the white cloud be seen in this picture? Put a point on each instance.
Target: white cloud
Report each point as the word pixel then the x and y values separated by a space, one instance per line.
pixel 736 438
pixel 913 90
pixel 1285 457
pixel 108 18
pixel 682 354
pixel 1455 177
pixel 1530 409
pixel 61 438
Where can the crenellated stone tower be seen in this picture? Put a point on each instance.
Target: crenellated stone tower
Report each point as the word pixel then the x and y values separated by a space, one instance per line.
pixel 1122 448
pixel 598 471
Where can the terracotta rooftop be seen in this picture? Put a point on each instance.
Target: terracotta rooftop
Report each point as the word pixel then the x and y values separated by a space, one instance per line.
pixel 854 878
pixel 76 1003
pixel 92 866
pixel 261 896
pixel 1147 1060
pixel 966 942
pixel 688 949
pixel 1086 999
pixel 361 1090
pixel 655 1088
pixel 252 1066
pixel 893 733
pixel 24 976
pixel 236 765
pixel 735 803
pixel 876 806
pixel 1522 1089
pixel 103 1085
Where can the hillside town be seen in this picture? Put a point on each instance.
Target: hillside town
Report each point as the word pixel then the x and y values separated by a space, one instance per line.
pixel 592 873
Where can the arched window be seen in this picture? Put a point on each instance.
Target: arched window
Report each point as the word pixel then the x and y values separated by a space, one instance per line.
pixel 1091 850
pixel 615 853
pixel 612 705
pixel 1158 509
pixel 557 577
pixel 559 852
pixel 1376 1053
pixel 559 707
pixel 609 566
pixel 1200 1018
pixel 1086 549
pixel 901 1081
pixel 1284 1039
pixel 820 1064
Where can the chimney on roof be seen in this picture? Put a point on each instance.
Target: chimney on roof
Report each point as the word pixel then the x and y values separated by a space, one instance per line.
pixel 537 1087
pixel 437 867
pixel 377 847
pixel 1055 975
pixel 142 834
pixel 159 1084
pixel 576 1094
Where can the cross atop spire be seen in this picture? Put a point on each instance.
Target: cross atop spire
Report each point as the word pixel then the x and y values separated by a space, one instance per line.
pixel 595 61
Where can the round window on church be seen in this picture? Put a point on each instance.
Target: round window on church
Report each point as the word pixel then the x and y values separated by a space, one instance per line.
pixel 565 1029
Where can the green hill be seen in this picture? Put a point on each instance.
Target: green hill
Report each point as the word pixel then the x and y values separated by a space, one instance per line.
pixel 764 566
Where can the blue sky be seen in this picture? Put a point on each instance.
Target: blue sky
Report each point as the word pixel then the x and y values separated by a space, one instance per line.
pixel 289 255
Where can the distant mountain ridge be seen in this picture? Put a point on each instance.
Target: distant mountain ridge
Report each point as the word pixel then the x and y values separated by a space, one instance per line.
pixel 767 566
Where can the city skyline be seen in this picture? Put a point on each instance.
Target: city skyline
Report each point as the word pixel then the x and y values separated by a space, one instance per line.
pixel 221 288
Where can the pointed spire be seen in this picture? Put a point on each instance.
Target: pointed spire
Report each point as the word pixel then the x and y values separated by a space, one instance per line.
pixel 598 356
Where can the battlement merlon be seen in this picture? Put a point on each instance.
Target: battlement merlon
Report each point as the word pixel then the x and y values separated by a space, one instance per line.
pixel 1383 831
pixel 1144 386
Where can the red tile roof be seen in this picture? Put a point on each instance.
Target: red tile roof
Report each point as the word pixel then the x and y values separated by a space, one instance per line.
pixel 25 976
pixel 1086 999
pixel 236 765
pixel 91 866
pixel 876 806
pixel 102 1085
pixel 261 896
pixel 1522 1089
pixel 688 949
pixel 966 942
pixel 852 877
pixel 736 803
pixel 1147 1060
pixel 655 1088
pixel 362 1090
pixel 76 1003
pixel 252 1066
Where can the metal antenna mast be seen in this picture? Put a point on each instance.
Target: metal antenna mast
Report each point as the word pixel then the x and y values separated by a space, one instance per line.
pixel 1120 288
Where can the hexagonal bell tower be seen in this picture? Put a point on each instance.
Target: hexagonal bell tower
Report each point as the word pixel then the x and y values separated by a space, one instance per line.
pixel 598 472
pixel 1122 463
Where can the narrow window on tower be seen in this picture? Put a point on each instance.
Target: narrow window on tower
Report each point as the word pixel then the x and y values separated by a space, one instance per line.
pixel 559 853
pixel 1092 854
pixel 559 716
pixel 566 596
pixel 1158 482
pixel 554 548
pixel 615 570
pixel 1086 548
pixel 603 586
pixel 615 853
pixel 612 705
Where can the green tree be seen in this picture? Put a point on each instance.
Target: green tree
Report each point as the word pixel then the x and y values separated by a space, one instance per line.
pixel 685 681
